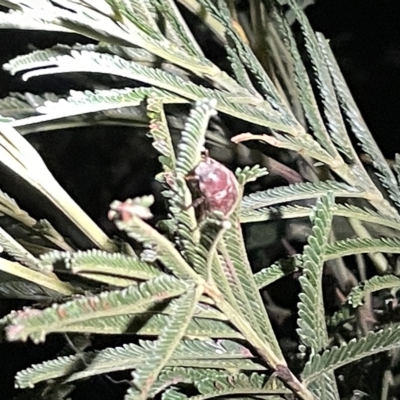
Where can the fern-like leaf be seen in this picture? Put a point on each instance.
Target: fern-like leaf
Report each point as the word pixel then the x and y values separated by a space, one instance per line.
pixel 158 245
pixel 78 103
pixel 15 106
pixel 356 349
pixel 15 289
pixel 101 262
pixel 348 247
pixel 325 387
pixel 44 279
pixel 302 80
pixel 341 316
pixel 250 174
pixel 359 127
pixel 194 136
pixel 17 251
pixel 298 191
pixel 311 322
pixel 37 324
pixel 243 285
pixel 219 354
pixel 355 297
pixel 151 324
pixel 177 29
pixel 276 271
pixel 84 61
pixel 146 374
pixel 332 112
pixel 172 376
pixel 296 211
pixel 231 386
pixel 220 12
pixel 160 134
pixel 183 217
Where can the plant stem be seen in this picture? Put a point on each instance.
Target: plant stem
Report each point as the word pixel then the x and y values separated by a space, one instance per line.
pixel 49 281
pixel 263 349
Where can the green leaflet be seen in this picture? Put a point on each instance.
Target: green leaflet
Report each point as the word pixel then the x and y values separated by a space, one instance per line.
pixel 236 385
pixel 101 262
pixel 357 294
pixel 37 324
pixel 276 271
pixel 17 251
pixel 151 324
pixel 296 211
pixel 140 13
pixel 297 191
pixel 160 133
pixel 222 354
pixel 16 107
pixel 332 113
pixel 358 125
pixel 372 343
pixel 221 13
pixel 250 174
pixel 21 289
pixel 159 247
pixel 312 327
pixel 347 247
pixel 169 376
pixel 306 95
pixel 82 103
pixel 194 136
pixel 325 387
pixel 177 29
pixel 147 373
pixel 243 285
pixel 105 63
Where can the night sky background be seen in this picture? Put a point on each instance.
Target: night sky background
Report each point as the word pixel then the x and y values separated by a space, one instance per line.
pixel 365 37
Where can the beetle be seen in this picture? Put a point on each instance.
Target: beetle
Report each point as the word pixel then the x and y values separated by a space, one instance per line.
pixel 216 184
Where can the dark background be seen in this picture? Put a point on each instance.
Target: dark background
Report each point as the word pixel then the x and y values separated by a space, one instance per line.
pixel 365 37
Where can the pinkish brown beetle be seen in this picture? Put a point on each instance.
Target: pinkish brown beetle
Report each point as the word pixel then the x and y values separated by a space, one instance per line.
pixel 217 185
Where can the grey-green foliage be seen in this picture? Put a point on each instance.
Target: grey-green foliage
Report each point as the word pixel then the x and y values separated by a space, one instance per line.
pixel 191 290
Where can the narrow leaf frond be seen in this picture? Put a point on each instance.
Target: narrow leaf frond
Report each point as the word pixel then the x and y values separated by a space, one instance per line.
pixel 159 246
pixel 97 261
pixel 37 324
pixel 348 247
pixel 306 94
pixel 332 112
pixel 131 356
pixel 151 324
pixel 243 285
pixel 355 297
pixel 194 136
pixel 220 12
pixel 296 211
pixel 311 322
pixel 83 61
pixel 250 174
pixel 276 271
pixel 356 349
pixel 298 191
pixel 147 373
pixel 358 126
pixel 160 133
